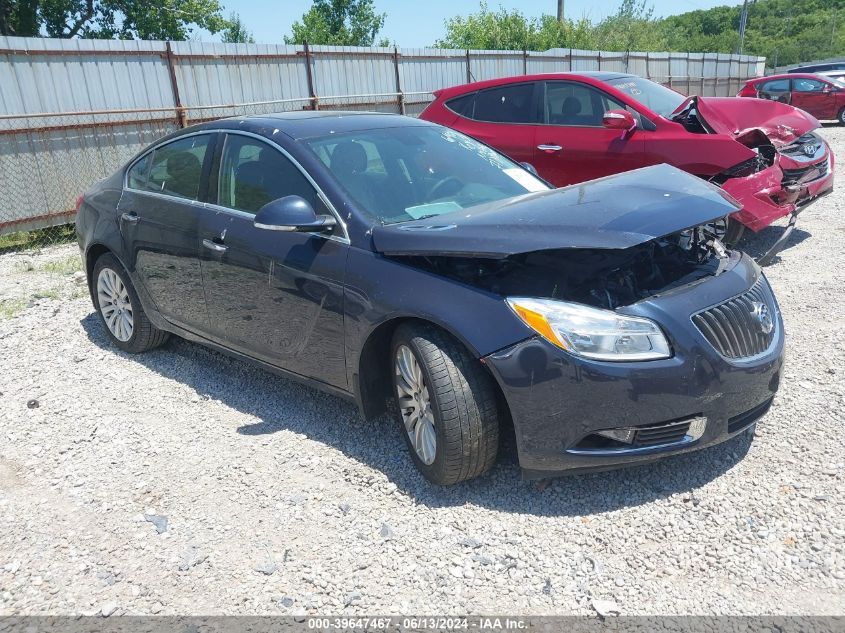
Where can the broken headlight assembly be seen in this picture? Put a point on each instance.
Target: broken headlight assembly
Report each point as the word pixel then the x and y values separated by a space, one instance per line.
pixel 592 332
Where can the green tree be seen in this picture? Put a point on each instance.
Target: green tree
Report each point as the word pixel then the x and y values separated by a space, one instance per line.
pixel 125 19
pixel 339 22
pixel 236 32
pixel 632 28
pixel 512 30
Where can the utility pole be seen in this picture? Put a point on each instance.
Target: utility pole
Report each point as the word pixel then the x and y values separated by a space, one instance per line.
pixel 743 21
pixel 560 10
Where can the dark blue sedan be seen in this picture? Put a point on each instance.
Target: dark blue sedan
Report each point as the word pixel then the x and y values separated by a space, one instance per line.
pixel 410 268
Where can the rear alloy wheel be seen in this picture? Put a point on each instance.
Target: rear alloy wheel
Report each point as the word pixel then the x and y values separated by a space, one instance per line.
pixel 841 117
pixel 446 405
pixel 120 309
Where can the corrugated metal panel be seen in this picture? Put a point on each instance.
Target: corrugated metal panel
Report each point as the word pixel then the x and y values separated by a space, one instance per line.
pixel 70 80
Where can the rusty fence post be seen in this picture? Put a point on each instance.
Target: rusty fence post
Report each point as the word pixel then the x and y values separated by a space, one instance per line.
pixel 399 94
pixel 469 69
pixel 315 102
pixel 181 119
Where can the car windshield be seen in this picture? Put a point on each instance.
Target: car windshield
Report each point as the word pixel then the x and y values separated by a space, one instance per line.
pixel 410 173
pixel 655 97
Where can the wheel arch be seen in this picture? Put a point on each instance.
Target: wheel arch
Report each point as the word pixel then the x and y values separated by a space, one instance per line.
pixel 372 381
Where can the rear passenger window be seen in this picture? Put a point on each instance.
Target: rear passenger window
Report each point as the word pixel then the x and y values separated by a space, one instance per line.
pixel 463 105
pixel 778 85
pixel 253 173
pixel 138 174
pixel 174 169
pixel 506 104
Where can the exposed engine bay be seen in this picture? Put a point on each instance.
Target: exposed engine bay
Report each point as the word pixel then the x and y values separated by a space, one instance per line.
pixel 605 278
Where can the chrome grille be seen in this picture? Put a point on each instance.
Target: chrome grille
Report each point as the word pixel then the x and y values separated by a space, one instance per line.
pixel 805 174
pixel 734 329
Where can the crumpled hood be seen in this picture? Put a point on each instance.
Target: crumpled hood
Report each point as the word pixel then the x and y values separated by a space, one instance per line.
pixel 735 116
pixel 615 212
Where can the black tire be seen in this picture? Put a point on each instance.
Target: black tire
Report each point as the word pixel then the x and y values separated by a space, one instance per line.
pixel 145 336
pixel 463 403
pixel 841 117
pixel 734 232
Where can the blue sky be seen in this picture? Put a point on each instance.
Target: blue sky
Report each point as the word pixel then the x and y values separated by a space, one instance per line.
pixel 418 23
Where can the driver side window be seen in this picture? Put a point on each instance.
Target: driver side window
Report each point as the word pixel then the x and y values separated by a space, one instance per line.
pixel 253 173
pixel 574 104
pixel 808 85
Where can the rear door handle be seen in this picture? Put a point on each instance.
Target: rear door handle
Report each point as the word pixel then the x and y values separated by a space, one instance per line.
pixel 214 246
pixel 130 218
pixel 549 148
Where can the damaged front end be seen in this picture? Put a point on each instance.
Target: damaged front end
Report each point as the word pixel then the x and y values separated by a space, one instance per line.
pixel 603 278
pixel 787 166
pixel 605 243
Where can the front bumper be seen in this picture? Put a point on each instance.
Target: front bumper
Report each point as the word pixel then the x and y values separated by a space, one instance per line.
pixel 765 198
pixel 557 399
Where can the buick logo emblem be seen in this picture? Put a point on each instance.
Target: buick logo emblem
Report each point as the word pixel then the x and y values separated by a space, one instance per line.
pixel 763 316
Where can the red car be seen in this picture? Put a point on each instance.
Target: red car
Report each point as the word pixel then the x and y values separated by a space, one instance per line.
pixel 574 127
pixel 821 96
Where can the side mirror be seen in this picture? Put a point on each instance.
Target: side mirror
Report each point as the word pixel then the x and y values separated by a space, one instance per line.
pixel 292 213
pixel 619 120
pixel 531 168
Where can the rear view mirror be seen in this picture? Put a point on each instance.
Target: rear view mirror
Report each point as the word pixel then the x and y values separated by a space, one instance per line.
pixel 292 213
pixel 619 120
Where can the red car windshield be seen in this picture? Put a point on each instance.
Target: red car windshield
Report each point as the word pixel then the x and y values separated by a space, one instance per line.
pixel 655 97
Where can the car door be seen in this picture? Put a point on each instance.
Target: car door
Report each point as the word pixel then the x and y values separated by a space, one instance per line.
pixel 274 295
pixel 159 220
pixel 775 90
pixel 572 145
pixel 814 96
pixel 502 117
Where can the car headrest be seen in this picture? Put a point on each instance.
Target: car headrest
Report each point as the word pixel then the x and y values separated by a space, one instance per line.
pixel 571 106
pixel 182 163
pixel 349 157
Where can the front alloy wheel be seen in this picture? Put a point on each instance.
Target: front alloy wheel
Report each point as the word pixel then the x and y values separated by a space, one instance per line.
pixel 446 404
pixel 415 405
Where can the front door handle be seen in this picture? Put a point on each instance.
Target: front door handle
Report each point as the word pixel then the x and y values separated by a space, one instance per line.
pixel 549 148
pixel 214 246
pixel 130 218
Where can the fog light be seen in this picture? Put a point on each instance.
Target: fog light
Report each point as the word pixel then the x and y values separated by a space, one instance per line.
pixel 696 427
pixel 626 436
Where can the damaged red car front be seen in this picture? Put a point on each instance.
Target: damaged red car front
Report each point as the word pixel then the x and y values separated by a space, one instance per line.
pixel 784 164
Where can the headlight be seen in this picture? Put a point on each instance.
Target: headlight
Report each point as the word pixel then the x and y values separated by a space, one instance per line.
pixel 591 332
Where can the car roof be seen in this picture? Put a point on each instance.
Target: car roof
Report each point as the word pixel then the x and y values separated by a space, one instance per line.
pixel 788 76
pixel 592 76
pixel 310 123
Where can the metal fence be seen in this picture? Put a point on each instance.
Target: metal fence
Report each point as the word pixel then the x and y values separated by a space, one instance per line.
pixel 72 111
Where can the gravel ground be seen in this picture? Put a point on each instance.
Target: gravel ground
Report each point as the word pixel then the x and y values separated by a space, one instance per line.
pixel 184 482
